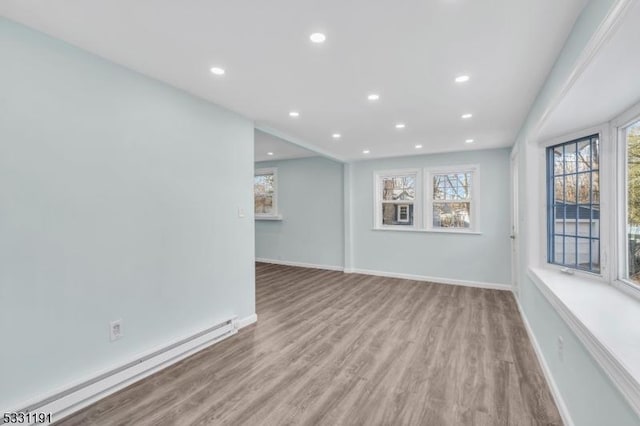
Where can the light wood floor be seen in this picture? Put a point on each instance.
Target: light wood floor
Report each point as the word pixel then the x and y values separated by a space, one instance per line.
pixel 334 349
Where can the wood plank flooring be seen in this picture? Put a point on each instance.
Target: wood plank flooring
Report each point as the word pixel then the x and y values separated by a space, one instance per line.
pixel 348 349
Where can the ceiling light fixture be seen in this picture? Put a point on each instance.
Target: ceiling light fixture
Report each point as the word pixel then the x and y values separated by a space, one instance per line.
pixel 400 126
pixel 469 141
pixel 373 97
pixel 317 37
pixel 269 153
pixel 366 151
pixel 418 146
pixel 294 114
pixel 336 136
pixel 462 79
pixel 217 71
pixel 465 116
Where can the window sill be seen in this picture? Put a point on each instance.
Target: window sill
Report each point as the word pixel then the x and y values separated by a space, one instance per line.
pixel 603 318
pixel 427 231
pixel 277 217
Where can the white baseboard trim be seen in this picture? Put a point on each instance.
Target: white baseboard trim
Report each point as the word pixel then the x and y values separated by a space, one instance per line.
pixel 438 280
pixel 300 264
pixel 246 321
pixel 555 391
pixel 81 394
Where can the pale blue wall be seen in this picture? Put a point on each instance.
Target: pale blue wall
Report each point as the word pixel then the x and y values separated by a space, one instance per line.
pixel 118 200
pixel 591 398
pixel 310 199
pixel 484 258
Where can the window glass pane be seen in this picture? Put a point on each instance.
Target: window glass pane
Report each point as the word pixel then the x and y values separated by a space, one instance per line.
pixel 396 188
pixel 397 214
pixel 263 191
pixel 573 197
pixel 584 155
pixel 633 202
pixel 451 215
pixel 452 186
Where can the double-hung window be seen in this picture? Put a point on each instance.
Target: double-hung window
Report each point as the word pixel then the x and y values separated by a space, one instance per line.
pixel 396 194
pixel 573 204
pixel 449 202
pixel 265 193
pixel 452 199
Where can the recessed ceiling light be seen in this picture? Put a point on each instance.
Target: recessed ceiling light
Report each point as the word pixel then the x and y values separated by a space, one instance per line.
pixel 462 79
pixel 465 116
pixel 269 153
pixel 469 141
pixel 400 126
pixel 317 37
pixel 336 136
pixel 366 151
pixel 418 146
pixel 217 71
pixel 294 114
pixel 373 97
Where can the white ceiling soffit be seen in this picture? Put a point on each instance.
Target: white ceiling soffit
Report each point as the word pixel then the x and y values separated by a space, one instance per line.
pixel 407 51
pixel 607 87
pixel 269 147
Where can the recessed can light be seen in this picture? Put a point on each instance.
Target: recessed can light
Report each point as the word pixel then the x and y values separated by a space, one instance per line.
pixel 400 126
pixel 465 116
pixel 373 97
pixel 462 79
pixel 468 141
pixel 317 37
pixel 366 151
pixel 269 153
pixel 294 114
pixel 418 146
pixel 336 136
pixel 217 71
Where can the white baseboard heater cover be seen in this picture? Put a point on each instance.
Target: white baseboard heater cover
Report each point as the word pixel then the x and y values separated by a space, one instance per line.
pixel 81 395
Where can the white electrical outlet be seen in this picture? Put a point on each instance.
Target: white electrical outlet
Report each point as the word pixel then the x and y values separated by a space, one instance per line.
pixel 560 343
pixel 115 330
pixel 241 212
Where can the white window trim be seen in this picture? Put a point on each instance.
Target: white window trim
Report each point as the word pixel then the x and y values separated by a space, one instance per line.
pixel 274 215
pixel 474 210
pixel 377 199
pixel 618 126
pixel 605 201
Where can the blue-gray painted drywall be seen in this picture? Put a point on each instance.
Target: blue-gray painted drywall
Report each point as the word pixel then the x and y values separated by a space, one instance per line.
pixel 119 199
pixel 310 199
pixel 591 398
pixel 484 258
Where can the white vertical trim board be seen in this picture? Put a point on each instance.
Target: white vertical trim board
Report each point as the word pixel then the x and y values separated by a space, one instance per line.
pixel 555 391
pixel 81 394
pixel 300 264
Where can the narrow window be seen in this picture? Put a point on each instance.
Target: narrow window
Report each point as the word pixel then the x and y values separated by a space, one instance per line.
pixel 396 199
pixel 573 202
pixel 265 192
pixel 632 138
pixel 452 200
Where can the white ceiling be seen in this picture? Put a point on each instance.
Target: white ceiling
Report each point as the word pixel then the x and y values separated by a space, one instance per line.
pixel 408 51
pixel 608 86
pixel 280 149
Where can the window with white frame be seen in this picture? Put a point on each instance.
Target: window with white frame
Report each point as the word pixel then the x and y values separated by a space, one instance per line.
pixel 452 199
pixel 396 199
pixel 630 147
pixel 449 202
pixel 265 193
pixel 573 204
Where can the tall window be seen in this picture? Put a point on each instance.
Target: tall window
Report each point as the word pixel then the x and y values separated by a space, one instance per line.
pixel 396 198
pixel 573 192
pixel 265 184
pixel 632 139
